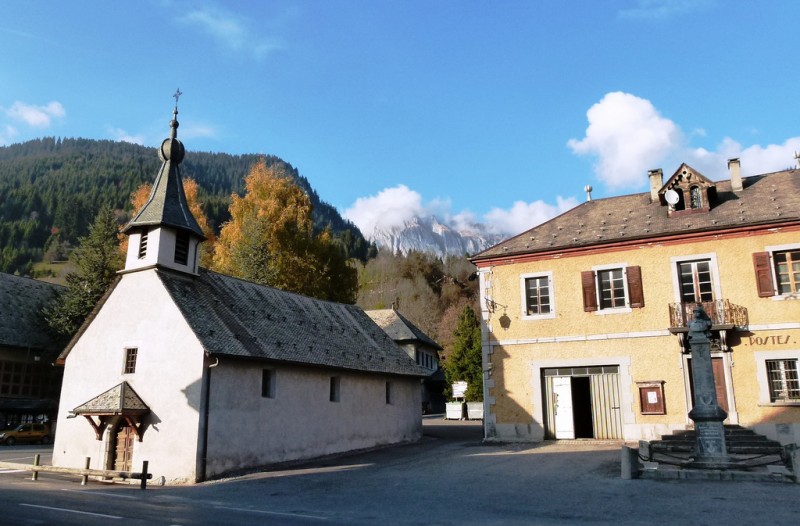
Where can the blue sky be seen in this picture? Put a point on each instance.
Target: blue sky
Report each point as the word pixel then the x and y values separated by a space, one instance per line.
pixel 498 112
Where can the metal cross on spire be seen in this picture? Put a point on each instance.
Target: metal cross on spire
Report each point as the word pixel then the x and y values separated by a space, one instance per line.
pixel 177 95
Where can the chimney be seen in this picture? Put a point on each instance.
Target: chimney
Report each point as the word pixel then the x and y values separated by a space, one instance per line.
pixel 735 169
pixel 656 182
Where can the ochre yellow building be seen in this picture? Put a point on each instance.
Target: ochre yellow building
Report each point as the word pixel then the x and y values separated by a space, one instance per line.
pixel 584 316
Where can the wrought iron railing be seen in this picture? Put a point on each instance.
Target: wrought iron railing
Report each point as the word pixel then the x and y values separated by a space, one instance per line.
pixel 721 312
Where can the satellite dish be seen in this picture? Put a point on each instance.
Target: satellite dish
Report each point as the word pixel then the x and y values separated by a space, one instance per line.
pixel 672 197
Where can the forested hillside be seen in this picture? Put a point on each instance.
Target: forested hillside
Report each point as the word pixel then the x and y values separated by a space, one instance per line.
pixel 429 291
pixel 51 189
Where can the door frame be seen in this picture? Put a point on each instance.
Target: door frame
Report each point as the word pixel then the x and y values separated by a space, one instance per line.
pixel 727 364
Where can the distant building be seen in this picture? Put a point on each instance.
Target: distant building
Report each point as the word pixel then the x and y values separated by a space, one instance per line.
pixel 203 374
pixel 421 348
pixel 29 382
pixel 584 316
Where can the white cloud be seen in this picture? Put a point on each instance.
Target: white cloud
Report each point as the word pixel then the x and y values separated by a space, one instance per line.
pixel 231 30
pixel 392 207
pixel 755 159
pixel 7 134
pixel 194 131
pixel 389 208
pixel 121 135
pixel 36 116
pixel 628 136
pixel 658 9
pixel 523 216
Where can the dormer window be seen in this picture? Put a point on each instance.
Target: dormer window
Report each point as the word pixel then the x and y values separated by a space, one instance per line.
pixel 695 197
pixel 182 247
pixel 687 192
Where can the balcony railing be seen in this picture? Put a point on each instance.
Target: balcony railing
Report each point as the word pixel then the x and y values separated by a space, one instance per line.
pixel 723 314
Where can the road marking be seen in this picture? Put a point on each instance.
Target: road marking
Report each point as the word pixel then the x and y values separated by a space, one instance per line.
pixel 90 492
pixel 274 513
pixel 13 470
pixel 70 511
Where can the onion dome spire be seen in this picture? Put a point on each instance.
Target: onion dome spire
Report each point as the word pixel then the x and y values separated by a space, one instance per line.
pixel 167 204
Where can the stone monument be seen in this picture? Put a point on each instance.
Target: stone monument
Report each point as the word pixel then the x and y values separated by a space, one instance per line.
pixel 710 450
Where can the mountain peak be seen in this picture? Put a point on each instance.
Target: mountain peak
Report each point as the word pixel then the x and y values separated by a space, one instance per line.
pixel 428 234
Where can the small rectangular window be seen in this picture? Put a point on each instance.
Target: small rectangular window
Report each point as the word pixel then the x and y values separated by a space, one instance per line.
pixel 130 360
pixel 388 392
pixel 268 383
pixel 612 288
pixel 335 393
pixel 537 295
pixel 143 245
pixel 787 271
pixel 182 247
pixel 784 384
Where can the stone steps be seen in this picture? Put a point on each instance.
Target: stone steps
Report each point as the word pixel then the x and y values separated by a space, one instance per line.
pixel 739 441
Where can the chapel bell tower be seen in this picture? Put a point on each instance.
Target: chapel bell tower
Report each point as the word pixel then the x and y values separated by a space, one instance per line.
pixel 165 233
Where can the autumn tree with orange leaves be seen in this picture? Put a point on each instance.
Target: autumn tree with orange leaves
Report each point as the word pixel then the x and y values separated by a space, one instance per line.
pixel 191 189
pixel 270 240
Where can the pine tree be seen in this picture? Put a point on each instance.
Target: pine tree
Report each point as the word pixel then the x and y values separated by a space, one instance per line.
pixel 97 259
pixel 465 362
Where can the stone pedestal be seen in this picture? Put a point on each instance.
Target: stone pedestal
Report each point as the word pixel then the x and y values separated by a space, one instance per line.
pixel 710 450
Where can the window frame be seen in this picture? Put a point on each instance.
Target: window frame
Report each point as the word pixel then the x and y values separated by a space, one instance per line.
pixel 772 250
pixel 389 393
pixel 523 281
pixel 762 372
pixel 335 392
pixel 183 241
pixel 130 360
pixel 597 269
pixel 143 238
pixel 268 383
pixel 711 257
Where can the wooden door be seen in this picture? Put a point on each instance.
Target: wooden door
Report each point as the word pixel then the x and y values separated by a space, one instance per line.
pixel 718 368
pixel 124 449
pixel 562 392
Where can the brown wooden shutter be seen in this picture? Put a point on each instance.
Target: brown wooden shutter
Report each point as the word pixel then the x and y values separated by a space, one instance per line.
pixel 589 291
pixel 635 291
pixel 763 274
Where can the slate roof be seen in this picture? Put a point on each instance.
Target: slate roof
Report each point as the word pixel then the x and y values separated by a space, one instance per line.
pixel 766 199
pixel 119 400
pixel 21 321
pixel 399 328
pixel 233 317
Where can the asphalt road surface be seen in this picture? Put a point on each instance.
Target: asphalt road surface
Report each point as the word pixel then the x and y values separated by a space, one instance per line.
pixel 448 478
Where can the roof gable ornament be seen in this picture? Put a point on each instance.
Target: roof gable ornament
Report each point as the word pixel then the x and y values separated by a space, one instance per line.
pixel 687 191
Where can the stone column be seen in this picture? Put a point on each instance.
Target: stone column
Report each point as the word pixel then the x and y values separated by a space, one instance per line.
pixel 710 449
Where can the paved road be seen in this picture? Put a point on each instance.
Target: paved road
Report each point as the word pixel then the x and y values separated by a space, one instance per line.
pixel 449 477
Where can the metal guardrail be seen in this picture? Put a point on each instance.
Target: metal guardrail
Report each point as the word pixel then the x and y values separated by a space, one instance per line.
pixel 84 472
pixel 721 312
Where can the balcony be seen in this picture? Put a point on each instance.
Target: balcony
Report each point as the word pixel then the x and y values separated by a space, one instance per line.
pixel 723 314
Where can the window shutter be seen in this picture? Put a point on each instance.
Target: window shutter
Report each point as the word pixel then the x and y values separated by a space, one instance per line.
pixel 635 292
pixel 763 274
pixel 589 291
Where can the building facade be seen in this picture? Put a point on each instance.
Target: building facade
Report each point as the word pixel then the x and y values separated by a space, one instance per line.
pixel 422 349
pixel 29 380
pixel 584 317
pixel 203 374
